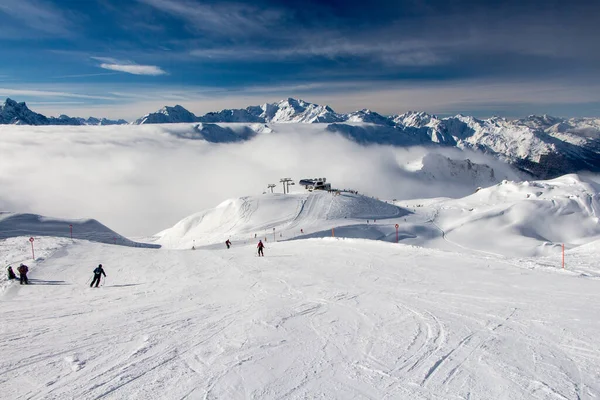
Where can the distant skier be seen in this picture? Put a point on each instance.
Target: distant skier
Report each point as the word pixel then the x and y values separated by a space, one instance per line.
pixel 228 243
pixel 23 269
pixel 302 231
pixel 11 273
pixel 98 272
pixel 260 247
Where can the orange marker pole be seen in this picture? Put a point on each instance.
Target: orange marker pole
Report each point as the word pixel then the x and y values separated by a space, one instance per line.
pixel 332 232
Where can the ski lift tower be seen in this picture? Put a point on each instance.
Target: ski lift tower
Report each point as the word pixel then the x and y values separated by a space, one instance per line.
pixel 271 186
pixel 288 186
pixel 284 182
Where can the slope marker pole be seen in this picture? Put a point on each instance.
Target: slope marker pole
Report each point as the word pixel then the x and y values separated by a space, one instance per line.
pixel 32 253
pixel 563 256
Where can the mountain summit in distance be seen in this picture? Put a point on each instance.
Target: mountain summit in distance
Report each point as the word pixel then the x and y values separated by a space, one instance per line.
pixel 13 113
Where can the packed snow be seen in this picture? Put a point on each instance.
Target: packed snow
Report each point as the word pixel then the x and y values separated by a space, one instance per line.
pixel 328 318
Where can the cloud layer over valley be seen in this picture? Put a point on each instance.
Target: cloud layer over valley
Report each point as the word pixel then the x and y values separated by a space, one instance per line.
pixel 139 180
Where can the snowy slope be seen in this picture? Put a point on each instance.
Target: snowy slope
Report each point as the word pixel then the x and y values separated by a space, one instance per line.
pixel 518 218
pixel 340 319
pixel 282 215
pixel 512 219
pixel 32 225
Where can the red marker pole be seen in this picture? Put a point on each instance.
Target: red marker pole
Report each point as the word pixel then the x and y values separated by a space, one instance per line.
pixel 71 228
pixel 32 252
pixel 397 226
pixel 115 240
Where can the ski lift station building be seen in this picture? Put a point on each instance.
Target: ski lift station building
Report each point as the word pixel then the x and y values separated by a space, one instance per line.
pixel 315 184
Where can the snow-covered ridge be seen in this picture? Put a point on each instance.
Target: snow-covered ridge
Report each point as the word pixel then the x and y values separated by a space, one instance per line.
pixel 13 113
pixel 544 146
pixel 15 224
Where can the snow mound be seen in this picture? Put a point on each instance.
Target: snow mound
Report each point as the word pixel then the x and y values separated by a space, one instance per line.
pixel 282 215
pixel 524 218
pixel 14 225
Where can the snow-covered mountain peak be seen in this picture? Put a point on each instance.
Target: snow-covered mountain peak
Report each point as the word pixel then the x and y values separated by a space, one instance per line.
pixel 167 115
pixel 415 119
pixel 15 113
pixel 368 116
pixel 293 110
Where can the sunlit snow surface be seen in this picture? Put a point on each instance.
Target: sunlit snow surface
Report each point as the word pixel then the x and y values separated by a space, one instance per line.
pixel 480 309
pixel 327 318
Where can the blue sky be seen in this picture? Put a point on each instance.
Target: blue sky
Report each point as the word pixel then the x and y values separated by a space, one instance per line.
pixel 119 58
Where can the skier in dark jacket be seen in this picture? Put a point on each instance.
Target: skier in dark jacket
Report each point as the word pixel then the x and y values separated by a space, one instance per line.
pixel 260 247
pixel 228 243
pixel 23 269
pixel 98 272
pixel 11 273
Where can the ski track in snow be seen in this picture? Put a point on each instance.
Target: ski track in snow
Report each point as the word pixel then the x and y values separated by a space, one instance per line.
pixel 314 318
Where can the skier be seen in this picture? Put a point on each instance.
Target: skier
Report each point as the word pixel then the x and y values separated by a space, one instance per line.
pixel 98 272
pixel 11 273
pixel 228 243
pixel 23 269
pixel 260 247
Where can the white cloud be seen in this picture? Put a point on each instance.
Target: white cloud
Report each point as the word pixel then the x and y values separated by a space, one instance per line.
pixel 141 179
pixel 134 69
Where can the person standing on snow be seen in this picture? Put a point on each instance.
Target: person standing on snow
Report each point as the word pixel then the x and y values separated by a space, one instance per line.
pixel 260 246
pixel 98 272
pixel 11 273
pixel 228 243
pixel 23 269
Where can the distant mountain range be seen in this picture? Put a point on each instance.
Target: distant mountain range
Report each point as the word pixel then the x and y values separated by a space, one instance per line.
pixel 543 146
pixel 14 113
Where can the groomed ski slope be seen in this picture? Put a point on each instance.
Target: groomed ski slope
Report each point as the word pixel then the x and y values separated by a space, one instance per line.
pixel 318 318
pixel 285 215
pixel 510 219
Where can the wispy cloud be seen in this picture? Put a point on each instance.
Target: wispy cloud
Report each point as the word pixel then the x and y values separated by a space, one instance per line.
pixel 129 67
pixel 408 53
pixel 85 75
pixel 134 69
pixel 38 15
pixel 46 93
pixel 225 19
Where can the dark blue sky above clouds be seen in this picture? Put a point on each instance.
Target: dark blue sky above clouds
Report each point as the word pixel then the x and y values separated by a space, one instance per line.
pixel 123 58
